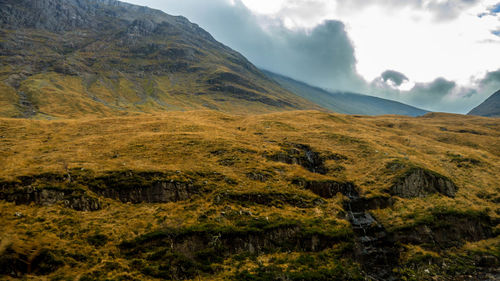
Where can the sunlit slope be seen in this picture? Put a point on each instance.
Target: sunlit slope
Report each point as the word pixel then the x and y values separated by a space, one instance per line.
pixel 206 195
pixel 103 58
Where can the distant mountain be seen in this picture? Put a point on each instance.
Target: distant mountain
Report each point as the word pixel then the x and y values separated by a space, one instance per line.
pixel 346 103
pixel 71 58
pixel 489 108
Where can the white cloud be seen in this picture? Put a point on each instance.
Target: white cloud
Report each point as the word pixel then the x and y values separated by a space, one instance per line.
pixel 423 39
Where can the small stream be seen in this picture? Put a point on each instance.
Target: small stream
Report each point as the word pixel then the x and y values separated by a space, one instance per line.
pixel 374 249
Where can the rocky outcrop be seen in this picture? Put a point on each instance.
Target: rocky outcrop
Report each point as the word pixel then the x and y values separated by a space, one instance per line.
pixel 138 187
pixel 419 182
pixel 275 199
pixel 374 248
pixel 328 188
pixel 444 230
pixel 184 253
pixel 371 203
pixel 70 198
pixel 158 192
pixel 300 154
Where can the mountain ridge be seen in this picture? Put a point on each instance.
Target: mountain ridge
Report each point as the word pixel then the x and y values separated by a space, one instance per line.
pixel 345 102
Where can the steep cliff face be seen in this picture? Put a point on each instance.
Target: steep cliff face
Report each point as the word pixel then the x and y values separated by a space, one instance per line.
pixel 99 57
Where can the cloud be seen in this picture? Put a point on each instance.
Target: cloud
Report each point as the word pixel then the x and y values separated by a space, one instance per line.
pixel 441 94
pixel 397 78
pixel 491 11
pixel 492 77
pixel 427 94
pixel 495 9
pixel 441 10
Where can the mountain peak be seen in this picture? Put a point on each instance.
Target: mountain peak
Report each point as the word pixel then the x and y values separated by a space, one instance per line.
pixel 489 108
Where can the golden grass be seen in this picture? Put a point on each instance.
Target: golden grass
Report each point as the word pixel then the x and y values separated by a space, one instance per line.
pixel 204 140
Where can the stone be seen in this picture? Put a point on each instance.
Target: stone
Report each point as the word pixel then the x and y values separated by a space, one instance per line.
pixel 419 182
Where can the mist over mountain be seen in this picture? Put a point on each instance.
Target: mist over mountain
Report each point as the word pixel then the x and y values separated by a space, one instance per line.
pixel 345 102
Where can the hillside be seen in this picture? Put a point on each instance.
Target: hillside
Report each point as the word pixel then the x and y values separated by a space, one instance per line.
pixel 77 58
pixel 489 108
pixel 346 103
pixel 204 195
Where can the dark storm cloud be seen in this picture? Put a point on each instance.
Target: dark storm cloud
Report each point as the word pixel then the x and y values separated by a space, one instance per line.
pixel 427 94
pixel 396 77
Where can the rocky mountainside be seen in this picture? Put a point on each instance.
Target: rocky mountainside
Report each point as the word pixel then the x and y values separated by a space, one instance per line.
pixel 343 102
pixel 71 58
pixel 489 108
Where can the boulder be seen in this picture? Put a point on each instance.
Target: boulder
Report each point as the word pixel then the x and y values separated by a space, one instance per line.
pixel 419 182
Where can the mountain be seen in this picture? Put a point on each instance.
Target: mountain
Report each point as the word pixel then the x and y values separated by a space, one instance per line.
pixel 489 108
pixel 346 103
pixel 72 58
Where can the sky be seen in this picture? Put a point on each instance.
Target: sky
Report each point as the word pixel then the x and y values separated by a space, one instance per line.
pixel 440 55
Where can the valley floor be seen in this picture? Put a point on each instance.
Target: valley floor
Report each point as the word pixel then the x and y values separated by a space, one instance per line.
pixel 203 195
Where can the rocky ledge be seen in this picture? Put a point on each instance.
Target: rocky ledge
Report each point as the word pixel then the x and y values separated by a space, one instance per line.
pixel 419 182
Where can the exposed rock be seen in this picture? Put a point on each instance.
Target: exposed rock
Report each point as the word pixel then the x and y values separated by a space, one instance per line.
pixel 328 188
pixel 159 192
pixel 447 230
pixel 28 109
pixel 374 249
pixel 372 203
pixel 303 155
pixel 198 247
pixel 70 198
pixel 418 182
pixel 271 199
pixel 137 187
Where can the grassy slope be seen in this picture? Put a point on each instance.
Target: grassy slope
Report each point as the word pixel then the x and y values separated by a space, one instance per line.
pixel 346 103
pixel 204 142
